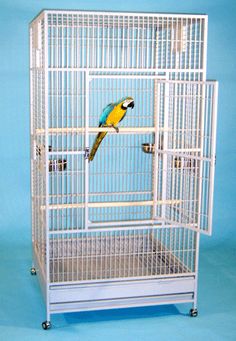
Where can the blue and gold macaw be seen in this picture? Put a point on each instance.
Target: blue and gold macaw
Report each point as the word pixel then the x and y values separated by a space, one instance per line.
pixel 112 114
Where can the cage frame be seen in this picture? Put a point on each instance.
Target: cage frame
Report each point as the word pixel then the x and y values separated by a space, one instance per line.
pixel 80 295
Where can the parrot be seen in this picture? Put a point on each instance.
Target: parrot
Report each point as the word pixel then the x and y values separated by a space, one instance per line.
pixel 111 115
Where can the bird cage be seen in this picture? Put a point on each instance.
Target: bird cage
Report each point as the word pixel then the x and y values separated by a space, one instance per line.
pixel 123 229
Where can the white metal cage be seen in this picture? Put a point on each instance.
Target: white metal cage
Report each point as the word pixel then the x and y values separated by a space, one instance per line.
pixel 124 229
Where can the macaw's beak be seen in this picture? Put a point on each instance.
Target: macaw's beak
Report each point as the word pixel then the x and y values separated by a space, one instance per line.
pixel 131 105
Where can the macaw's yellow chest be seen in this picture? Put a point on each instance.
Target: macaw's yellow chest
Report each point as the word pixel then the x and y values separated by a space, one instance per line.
pixel 115 115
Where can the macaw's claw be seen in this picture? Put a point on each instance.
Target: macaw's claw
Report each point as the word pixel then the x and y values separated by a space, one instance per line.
pixel 116 128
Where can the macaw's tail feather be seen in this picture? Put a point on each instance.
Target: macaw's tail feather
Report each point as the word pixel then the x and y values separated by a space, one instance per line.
pixel 97 142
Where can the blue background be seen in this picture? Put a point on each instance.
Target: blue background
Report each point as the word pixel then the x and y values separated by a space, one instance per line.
pixel 21 306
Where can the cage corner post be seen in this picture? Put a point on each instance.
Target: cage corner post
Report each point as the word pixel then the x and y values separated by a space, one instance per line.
pixel 47 323
pixel 86 148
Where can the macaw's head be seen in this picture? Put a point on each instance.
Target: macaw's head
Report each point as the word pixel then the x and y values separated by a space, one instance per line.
pixel 127 102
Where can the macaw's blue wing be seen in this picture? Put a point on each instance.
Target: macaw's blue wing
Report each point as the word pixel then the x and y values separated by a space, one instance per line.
pixel 105 113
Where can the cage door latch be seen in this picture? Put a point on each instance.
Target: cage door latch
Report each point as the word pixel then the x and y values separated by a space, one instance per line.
pixel 86 153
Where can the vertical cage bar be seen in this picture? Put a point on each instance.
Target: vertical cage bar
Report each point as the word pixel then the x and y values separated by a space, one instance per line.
pixel 86 184
pixel 156 143
pixel 213 154
pixel 165 146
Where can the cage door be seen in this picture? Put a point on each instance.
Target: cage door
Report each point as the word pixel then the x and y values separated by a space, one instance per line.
pixel 187 131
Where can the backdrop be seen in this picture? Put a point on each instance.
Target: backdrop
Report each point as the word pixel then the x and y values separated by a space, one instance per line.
pixel 15 16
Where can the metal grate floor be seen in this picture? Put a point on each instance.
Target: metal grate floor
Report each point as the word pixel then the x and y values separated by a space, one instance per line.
pixel 98 258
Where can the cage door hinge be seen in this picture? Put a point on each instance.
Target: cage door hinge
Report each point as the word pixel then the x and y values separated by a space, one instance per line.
pixel 86 153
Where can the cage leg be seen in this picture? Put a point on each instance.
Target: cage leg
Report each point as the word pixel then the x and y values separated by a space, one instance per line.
pixel 47 324
pixel 193 311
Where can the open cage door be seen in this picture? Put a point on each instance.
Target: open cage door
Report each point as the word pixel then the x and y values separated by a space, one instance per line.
pixel 185 157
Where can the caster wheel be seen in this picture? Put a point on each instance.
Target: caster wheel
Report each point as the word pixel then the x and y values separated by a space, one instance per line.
pixel 193 312
pixel 46 325
pixel 33 271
